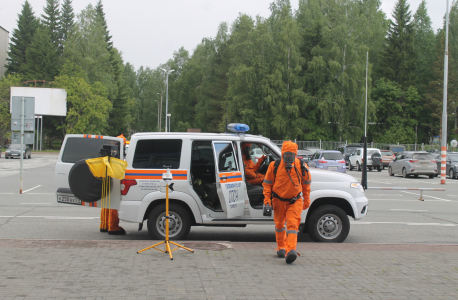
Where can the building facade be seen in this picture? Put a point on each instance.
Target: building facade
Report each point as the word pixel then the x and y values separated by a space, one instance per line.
pixel 4 42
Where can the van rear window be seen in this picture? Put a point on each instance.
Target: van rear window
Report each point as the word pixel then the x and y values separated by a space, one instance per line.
pixel 157 154
pixel 81 148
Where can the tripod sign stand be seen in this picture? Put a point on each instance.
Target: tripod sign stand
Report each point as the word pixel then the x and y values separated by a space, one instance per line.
pixel 167 178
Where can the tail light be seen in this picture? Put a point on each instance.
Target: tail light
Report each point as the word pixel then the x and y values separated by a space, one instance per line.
pixel 394 156
pixel 126 184
pixel 322 162
pixel 413 161
pixel 299 157
pixel 434 161
pixel 341 162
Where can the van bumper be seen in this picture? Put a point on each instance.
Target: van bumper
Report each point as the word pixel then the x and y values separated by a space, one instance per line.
pixel 362 207
pixel 128 211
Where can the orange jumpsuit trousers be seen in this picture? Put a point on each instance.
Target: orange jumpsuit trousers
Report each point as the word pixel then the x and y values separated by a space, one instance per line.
pixel 109 220
pixel 291 214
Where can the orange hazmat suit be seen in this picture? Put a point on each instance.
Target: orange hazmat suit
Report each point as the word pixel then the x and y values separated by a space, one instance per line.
pixel 251 169
pixel 283 186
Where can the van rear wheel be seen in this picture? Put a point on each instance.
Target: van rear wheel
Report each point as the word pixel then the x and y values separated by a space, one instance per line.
pixel 179 222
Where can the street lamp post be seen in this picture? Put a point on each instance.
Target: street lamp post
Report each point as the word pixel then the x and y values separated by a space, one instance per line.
pixel 158 125
pixel 167 96
pixel 444 104
pixel 160 118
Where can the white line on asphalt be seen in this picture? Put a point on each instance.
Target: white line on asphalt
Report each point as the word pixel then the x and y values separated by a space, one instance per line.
pixel 6 216
pixel 60 217
pixel 407 209
pixel 404 223
pixel 379 182
pixel 40 194
pixel 31 189
pixel 6 193
pixel 427 196
pixel 391 195
pixel 404 200
pixel 35 203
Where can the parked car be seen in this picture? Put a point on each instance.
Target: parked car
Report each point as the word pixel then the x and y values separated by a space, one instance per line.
pixel 306 153
pixel 347 150
pixel 14 150
pixel 374 158
pixel 328 160
pixel 387 157
pixel 209 184
pixel 451 166
pixel 396 149
pixel 413 163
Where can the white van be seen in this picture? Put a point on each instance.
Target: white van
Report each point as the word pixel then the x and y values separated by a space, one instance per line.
pixel 209 184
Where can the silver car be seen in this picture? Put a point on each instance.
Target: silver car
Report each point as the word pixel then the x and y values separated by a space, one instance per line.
pixel 413 163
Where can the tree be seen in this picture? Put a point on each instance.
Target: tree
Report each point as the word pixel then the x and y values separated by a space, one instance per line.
pixel 399 56
pixel 87 104
pixel 21 40
pixel 5 116
pixel 101 16
pixel 52 22
pixel 423 45
pixel 67 21
pixel 42 57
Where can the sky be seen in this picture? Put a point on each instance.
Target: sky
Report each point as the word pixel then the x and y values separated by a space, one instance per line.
pixel 147 32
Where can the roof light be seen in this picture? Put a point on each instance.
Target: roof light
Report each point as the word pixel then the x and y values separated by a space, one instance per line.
pixel 238 127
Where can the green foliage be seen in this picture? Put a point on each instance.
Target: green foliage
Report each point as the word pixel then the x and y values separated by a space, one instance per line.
pixel 42 57
pixel 5 117
pixel 21 40
pixel 87 104
pixel 52 21
pixel 67 21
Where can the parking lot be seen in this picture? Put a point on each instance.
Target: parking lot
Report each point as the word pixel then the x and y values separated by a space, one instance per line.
pixel 394 216
pixel 403 249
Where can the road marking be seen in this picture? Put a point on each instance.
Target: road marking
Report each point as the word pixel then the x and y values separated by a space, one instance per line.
pixel 404 200
pixel 6 193
pixel 31 189
pixel 35 203
pixel 407 209
pixel 54 217
pixel 379 182
pixel 405 223
pixel 427 196
pixel 391 195
pixel 6 216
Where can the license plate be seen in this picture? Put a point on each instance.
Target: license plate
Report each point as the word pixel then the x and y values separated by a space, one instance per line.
pixel 425 164
pixel 332 168
pixel 68 199
pixel 14 154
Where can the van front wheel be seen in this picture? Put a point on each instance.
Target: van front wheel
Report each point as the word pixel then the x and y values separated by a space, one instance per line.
pixel 179 222
pixel 328 224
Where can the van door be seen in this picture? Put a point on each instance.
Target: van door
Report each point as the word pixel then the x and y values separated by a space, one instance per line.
pixel 230 185
pixel 74 148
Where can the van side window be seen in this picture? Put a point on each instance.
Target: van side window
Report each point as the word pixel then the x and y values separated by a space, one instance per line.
pixel 157 154
pixel 81 148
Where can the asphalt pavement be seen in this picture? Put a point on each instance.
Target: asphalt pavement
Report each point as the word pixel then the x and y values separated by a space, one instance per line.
pixel 403 249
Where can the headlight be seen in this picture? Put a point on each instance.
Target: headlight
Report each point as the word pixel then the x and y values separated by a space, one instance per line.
pixel 357 185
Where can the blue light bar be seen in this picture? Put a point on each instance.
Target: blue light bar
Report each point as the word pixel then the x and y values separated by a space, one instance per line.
pixel 238 127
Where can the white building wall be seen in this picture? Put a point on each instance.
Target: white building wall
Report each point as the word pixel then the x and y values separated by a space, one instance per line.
pixel 4 43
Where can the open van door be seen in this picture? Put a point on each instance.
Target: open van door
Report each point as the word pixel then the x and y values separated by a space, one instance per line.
pixel 230 184
pixel 84 146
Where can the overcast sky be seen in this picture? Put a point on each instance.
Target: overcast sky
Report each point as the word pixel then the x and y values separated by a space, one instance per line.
pixel 147 32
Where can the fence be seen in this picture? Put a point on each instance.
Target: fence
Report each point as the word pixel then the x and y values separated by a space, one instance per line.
pixel 332 145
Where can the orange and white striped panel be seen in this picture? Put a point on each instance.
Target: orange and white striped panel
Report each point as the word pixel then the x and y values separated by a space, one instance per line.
pixel 89 136
pixel 230 177
pixel 155 174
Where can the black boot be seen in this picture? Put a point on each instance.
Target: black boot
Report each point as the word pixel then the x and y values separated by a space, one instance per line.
pixel 119 232
pixel 103 230
pixel 281 253
pixel 291 256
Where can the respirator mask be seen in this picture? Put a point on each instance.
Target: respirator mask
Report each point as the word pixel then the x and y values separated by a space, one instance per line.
pixel 289 158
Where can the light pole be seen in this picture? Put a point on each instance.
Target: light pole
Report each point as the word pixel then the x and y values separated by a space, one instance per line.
pixel 167 95
pixel 160 118
pixel 444 104
pixel 158 125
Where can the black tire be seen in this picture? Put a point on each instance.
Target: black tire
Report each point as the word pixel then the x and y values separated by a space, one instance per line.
pixel 30 155
pixel 431 176
pixel 179 216
pixel 350 166
pixel 390 172
pixel 404 173
pixel 328 224
pixel 416 176
pixel 452 174
pixel 358 166
pixel 379 169
pixel 370 169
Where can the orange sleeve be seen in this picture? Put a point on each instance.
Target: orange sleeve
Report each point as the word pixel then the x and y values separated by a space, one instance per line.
pixel 259 163
pixel 306 181
pixel 268 183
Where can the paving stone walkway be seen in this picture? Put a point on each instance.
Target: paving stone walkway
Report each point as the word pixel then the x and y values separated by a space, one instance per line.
pixel 69 269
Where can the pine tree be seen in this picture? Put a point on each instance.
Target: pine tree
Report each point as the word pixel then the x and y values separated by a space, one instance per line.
pixel 101 16
pixel 21 40
pixel 42 57
pixel 67 21
pixel 51 20
pixel 399 57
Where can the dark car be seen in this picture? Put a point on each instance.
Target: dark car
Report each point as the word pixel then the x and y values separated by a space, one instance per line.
pixel 346 150
pixel 452 164
pixel 14 151
pixel 306 153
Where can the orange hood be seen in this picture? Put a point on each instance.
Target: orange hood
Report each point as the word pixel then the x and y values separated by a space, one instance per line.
pixel 288 146
pixel 244 145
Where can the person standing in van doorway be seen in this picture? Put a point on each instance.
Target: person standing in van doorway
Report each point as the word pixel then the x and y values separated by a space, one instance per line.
pixel 251 169
pixel 109 220
pixel 287 189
